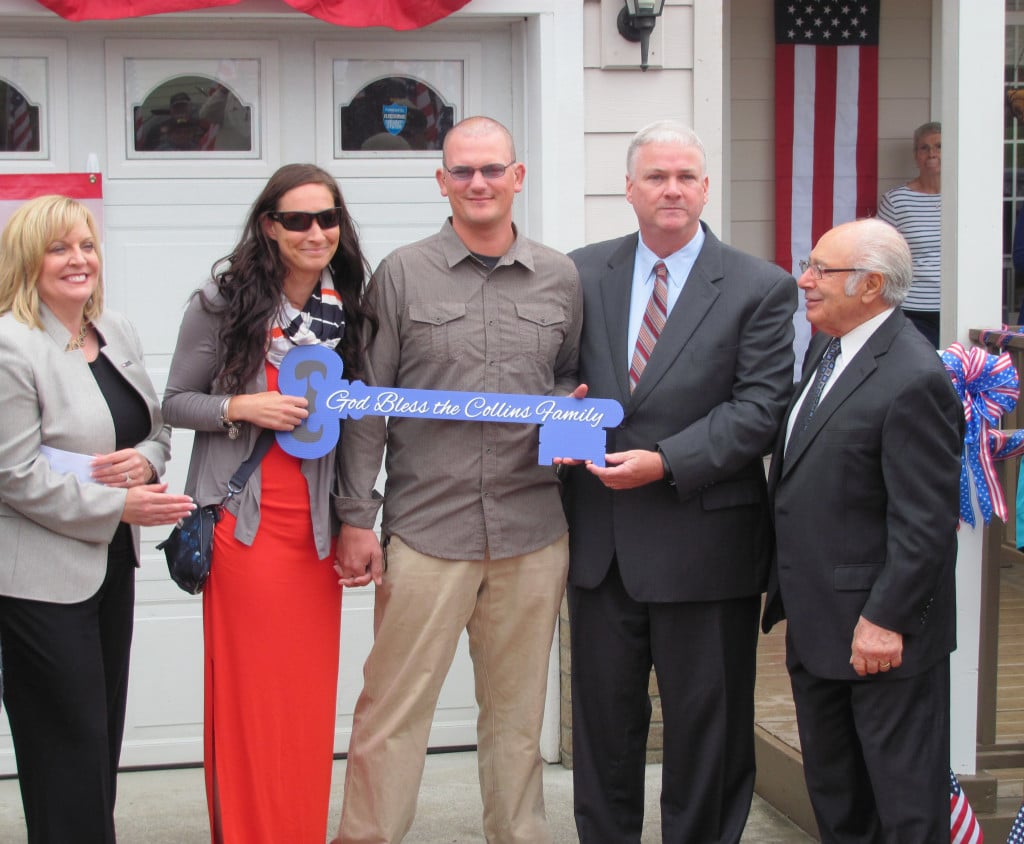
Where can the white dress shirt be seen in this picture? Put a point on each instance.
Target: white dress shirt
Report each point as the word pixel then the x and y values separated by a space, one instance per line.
pixel 678 265
pixel 849 344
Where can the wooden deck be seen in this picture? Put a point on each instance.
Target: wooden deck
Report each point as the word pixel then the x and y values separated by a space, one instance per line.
pixel 1010 688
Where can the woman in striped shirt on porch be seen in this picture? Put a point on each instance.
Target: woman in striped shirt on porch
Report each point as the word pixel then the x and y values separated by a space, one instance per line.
pixel 915 209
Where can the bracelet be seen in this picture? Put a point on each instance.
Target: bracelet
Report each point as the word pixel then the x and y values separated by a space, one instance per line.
pixel 152 477
pixel 232 428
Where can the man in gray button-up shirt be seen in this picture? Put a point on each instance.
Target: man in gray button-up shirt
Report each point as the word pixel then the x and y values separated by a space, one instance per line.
pixel 473 527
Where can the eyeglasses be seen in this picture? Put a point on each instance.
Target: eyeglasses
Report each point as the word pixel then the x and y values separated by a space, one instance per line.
pixel 819 272
pixel 488 171
pixel 300 221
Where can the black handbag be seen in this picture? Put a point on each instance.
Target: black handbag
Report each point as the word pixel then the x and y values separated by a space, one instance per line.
pixel 189 548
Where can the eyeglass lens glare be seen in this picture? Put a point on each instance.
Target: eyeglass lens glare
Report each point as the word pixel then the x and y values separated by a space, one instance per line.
pixel 488 171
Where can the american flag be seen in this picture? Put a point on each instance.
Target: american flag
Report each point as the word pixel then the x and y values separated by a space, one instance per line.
pixel 209 139
pixel 963 826
pixel 19 126
pixel 826 123
pixel 424 101
pixel 1017 830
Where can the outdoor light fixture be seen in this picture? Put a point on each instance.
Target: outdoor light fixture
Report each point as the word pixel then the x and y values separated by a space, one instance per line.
pixel 636 23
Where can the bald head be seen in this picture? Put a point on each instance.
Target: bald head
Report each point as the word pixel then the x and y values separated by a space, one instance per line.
pixel 879 247
pixel 478 127
pixel 856 271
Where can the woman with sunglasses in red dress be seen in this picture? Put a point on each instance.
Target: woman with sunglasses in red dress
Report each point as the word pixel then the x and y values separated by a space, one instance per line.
pixel 272 605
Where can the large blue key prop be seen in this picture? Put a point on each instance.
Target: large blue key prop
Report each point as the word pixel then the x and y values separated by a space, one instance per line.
pixel 571 428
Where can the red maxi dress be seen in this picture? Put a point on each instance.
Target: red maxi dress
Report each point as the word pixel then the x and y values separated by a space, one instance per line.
pixel 271 624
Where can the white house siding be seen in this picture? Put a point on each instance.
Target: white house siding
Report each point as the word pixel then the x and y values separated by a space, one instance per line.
pixel 904 86
pixel 619 100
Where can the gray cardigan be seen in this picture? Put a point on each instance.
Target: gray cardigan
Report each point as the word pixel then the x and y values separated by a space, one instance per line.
pixel 192 400
pixel 54 530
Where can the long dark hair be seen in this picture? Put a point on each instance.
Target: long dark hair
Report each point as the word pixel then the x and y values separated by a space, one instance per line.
pixel 251 282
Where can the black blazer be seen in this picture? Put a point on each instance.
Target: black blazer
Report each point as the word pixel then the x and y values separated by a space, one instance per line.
pixel 711 397
pixel 866 505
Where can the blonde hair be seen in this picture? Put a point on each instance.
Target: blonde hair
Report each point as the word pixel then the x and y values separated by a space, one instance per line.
pixel 23 244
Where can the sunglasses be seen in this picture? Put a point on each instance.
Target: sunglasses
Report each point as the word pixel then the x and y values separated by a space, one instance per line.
pixel 488 171
pixel 300 221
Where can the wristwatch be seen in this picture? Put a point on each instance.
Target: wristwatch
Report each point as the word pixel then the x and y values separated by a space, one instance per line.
pixel 232 428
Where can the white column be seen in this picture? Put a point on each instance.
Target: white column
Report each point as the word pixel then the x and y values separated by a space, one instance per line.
pixel 710 114
pixel 972 134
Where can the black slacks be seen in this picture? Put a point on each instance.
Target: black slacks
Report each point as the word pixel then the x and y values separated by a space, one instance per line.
pixel 65 690
pixel 876 755
pixel 704 655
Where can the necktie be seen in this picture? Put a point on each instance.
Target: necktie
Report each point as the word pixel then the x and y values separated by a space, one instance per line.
pixel 650 329
pixel 811 400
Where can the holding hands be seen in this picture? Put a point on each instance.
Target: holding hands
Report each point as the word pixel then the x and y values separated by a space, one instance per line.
pixel 360 558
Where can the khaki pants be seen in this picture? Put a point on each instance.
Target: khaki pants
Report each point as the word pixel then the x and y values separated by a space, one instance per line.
pixel 509 608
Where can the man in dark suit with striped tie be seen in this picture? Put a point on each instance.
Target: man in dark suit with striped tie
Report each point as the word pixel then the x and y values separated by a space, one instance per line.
pixel 865 486
pixel 670 542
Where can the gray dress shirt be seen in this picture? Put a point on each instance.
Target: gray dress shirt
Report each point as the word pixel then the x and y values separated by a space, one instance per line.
pixel 456 489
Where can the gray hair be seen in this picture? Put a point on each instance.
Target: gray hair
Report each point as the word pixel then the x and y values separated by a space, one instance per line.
pixel 931 128
pixel 665 132
pixel 878 247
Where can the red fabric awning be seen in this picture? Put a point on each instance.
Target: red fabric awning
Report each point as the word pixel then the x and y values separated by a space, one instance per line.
pixel 394 14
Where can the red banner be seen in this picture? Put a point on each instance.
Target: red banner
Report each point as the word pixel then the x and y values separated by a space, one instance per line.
pixel 86 187
pixel 394 14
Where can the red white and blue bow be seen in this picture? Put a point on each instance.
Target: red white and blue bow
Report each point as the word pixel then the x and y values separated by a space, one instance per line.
pixel 988 386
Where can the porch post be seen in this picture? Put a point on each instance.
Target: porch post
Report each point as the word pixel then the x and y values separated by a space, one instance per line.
pixel 972 130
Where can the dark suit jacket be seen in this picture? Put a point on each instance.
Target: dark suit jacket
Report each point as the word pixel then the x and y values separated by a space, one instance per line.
pixel 866 505
pixel 711 397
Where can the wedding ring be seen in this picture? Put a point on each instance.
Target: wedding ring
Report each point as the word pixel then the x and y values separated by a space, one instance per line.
pixel 127 477
pixel 885 665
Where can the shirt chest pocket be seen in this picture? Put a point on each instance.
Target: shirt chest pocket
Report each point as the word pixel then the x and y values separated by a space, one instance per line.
pixel 541 330
pixel 438 329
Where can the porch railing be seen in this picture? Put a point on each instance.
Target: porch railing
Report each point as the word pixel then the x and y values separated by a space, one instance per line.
pixel 1000 549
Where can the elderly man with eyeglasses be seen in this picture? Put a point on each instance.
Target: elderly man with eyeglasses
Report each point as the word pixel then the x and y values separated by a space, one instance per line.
pixel 474 537
pixel 864 484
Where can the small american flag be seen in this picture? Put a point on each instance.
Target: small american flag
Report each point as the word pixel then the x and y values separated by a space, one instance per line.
pixel 423 97
pixel 1017 830
pixel 19 127
pixel 963 826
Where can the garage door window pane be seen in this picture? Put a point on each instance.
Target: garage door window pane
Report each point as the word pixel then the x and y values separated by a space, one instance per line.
pixel 19 121
pixel 192 114
pixel 396 113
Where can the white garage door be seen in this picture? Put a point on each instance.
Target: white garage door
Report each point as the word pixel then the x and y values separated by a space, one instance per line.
pixel 179 174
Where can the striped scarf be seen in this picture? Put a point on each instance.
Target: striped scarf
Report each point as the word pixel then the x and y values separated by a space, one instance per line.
pixel 321 320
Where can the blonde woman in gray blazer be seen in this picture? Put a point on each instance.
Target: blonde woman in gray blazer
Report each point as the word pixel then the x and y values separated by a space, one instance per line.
pixel 72 379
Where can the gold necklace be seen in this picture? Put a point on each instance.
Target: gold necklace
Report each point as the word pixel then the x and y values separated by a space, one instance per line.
pixel 79 341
